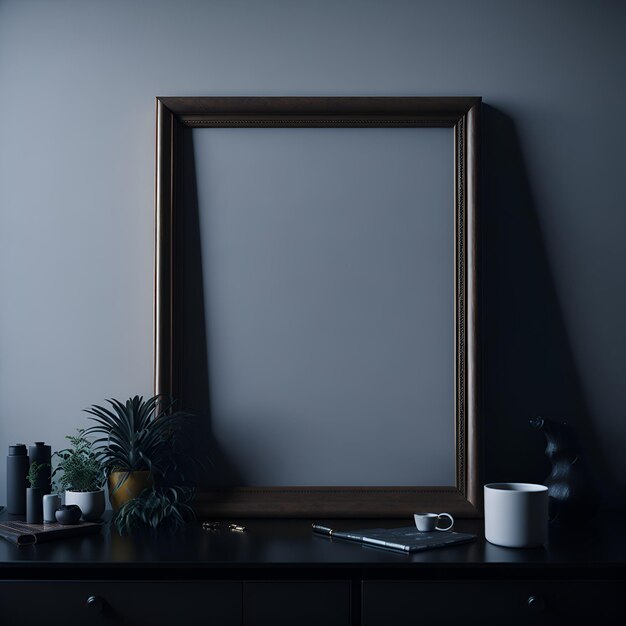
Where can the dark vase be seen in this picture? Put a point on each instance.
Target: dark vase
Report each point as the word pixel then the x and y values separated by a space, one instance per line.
pixel 42 454
pixel 570 490
pixel 34 506
pixel 17 468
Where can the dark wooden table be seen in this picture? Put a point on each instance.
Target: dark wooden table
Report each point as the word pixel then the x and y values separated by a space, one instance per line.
pixel 279 572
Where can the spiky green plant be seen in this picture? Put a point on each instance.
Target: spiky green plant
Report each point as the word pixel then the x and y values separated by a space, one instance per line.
pixel 164 509
pixel 137 435
pixel 34 471
pixel 79 466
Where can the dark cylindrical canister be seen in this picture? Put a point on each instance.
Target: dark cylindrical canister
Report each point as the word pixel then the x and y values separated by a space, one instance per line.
pixel 17 469
pixel 42 454
pixel 34 506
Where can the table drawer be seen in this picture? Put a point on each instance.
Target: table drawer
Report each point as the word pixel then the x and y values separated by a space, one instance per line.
pixel 26 603
pixel 301 603
pixel 396 603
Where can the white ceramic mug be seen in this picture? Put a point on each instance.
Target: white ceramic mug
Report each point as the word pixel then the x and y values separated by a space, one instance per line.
pixel 427 522
pixel 516 514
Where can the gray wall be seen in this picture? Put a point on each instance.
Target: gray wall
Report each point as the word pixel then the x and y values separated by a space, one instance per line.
pixel 77 87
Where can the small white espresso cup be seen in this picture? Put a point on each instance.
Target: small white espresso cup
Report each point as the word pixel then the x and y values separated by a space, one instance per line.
pixel 516 514
pixel 427 522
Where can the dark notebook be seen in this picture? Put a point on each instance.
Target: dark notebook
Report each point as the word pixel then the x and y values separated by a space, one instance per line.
pixel 23 534
pixel 407 540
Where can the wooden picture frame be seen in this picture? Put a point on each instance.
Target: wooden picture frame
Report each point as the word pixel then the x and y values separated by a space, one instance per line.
pixel 461 114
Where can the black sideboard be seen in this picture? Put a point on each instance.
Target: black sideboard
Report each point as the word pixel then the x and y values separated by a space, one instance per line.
pixel 278 572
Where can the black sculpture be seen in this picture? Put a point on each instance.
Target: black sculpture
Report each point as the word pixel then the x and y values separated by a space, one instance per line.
pixel 570 490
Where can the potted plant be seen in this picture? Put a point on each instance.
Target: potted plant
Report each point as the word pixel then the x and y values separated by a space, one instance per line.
pixel 81 477
pixel 138 444
pixel 34 495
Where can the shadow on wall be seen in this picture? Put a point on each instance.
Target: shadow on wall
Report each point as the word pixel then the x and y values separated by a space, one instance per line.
pixel 529 368
pixel 194 376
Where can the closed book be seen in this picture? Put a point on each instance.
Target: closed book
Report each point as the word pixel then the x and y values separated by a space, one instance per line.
pixel 408 540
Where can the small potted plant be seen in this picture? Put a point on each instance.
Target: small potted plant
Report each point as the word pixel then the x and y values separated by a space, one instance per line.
pixel 138 444
pixel 34 495
pixel 81 477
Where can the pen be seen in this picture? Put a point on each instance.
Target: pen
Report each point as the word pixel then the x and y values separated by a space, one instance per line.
pixel 385 544
pixel 324 530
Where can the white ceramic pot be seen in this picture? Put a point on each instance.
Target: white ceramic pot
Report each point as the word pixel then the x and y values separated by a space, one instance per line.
pixel 91 503
pixel 516 514
pixel 51 502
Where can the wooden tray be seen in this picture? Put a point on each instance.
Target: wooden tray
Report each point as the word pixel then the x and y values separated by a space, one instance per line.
pixel 23 534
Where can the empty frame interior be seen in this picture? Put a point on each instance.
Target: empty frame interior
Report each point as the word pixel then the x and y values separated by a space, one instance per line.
pixel 327 263
pixel 312 300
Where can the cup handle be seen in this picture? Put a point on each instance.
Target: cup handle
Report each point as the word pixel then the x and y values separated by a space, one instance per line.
pixel 449 517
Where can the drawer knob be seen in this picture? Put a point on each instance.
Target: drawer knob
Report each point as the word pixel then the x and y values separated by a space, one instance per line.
pixel 536 604
pixel 95 604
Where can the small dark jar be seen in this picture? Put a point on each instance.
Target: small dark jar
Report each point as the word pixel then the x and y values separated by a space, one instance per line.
pixel 68 514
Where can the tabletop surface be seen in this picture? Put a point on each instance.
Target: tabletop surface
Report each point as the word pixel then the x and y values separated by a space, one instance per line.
pixel 291 543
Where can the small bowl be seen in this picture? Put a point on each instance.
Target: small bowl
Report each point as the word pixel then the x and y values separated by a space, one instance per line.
pixel 68 514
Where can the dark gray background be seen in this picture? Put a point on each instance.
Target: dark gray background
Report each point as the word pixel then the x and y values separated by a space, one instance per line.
pixel 77 84
pixel 327 264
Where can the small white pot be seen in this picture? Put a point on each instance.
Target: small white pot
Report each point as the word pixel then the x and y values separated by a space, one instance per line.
pixel 91 503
